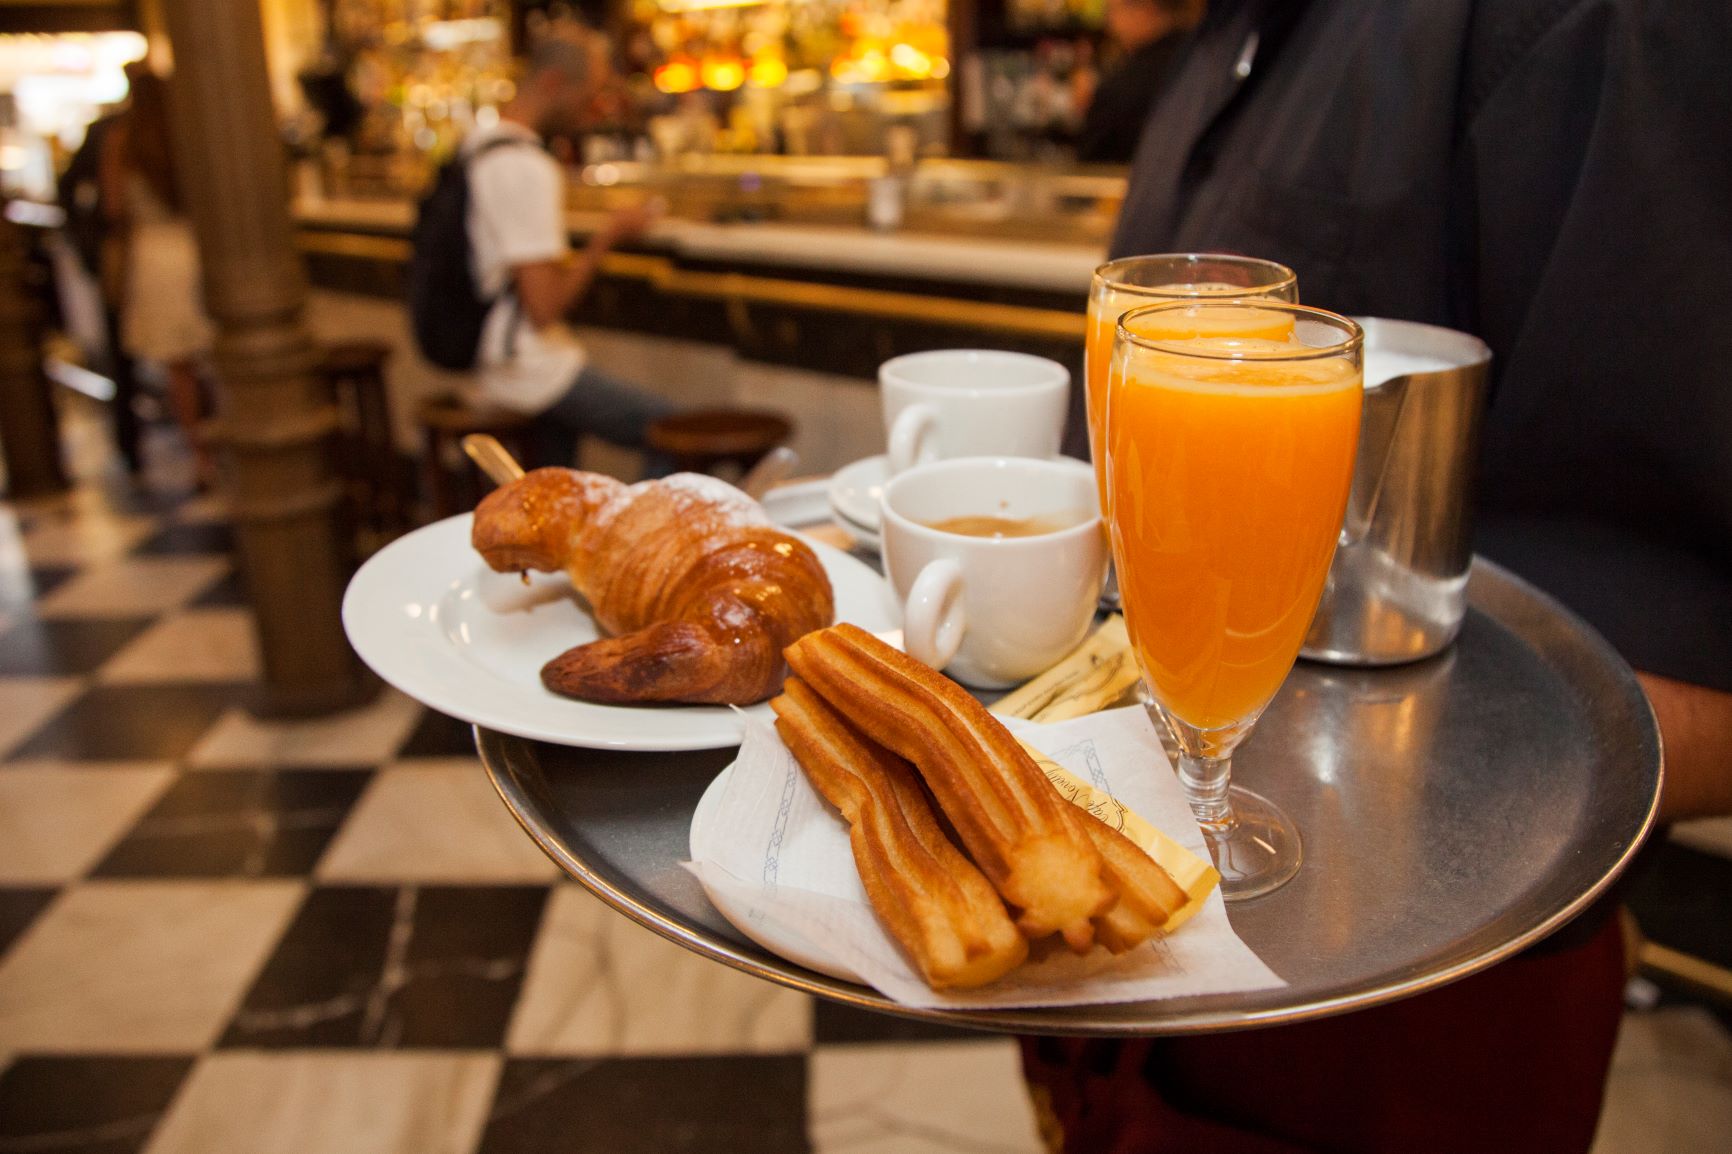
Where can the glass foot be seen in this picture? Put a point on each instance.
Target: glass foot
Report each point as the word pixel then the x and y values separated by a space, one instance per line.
pixel 1257 850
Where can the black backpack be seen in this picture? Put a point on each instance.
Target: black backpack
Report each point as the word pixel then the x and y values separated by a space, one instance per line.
pixel 446 308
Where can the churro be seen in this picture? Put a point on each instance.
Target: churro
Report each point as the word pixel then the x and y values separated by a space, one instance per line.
pixel 1029 842
pixel 1147 897
pixel 943 911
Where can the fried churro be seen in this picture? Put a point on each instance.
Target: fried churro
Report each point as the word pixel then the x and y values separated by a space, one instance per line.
pixel 1147 896
pixel 941 909
pixel 1029 842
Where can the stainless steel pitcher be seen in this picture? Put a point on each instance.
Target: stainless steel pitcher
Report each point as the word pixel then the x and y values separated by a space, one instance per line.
pixel 1397 590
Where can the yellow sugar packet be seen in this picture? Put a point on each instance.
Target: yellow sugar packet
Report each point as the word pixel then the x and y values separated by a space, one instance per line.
pixel 1093 676
pixel 1194 875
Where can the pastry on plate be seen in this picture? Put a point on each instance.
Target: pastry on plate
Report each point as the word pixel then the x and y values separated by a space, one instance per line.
pixel 699 592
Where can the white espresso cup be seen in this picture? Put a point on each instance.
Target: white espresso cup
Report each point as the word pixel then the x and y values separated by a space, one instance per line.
pixel 994 611
pixel 972 403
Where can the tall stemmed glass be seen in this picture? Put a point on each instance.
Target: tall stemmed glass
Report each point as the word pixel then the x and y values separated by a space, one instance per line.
pixel 1228 460
pixel 1143 280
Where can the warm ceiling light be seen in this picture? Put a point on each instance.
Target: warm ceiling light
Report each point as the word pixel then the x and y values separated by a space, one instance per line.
pixel 704 5
pixel 768 72
pixel 722 74
pixel 675 77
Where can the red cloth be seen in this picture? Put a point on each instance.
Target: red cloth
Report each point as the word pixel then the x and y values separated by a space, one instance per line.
pixel 1514 1058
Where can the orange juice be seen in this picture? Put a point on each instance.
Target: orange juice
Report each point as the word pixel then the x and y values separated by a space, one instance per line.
pixel 1229 482
pixel 1107 305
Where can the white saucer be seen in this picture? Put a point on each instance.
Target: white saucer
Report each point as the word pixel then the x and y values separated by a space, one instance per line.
pixel 868 539
pixel 740 914
pixel 857 489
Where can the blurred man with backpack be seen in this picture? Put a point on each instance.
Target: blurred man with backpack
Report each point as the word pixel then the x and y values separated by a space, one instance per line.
pixel 493 275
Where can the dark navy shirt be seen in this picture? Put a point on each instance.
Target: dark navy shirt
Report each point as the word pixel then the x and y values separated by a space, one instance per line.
pixel 1554 176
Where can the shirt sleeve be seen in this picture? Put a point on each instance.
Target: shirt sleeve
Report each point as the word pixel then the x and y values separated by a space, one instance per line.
pixel 519 194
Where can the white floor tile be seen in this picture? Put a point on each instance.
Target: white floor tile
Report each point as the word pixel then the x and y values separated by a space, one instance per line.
pixel 331 1102
pixel 921 1099
pixel 433 820
pixel 193 645
pixel 599 985
pixel 139 967
pixel 84 539
pixel 135 587
pixel 27 702
pixel 1670 1091
pixel 365 736
pixel 55 824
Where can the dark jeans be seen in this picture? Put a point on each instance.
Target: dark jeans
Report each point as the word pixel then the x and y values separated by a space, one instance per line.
pixel 598 405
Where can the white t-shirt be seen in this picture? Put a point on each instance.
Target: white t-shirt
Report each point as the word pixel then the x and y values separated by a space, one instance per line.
pixel 517 216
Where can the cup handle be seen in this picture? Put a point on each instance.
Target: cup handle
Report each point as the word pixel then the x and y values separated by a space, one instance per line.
pixel 910 435
pixel 934 621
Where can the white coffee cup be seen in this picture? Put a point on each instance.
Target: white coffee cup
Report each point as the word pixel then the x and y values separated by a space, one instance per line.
pixel 972 403
pixel 994 611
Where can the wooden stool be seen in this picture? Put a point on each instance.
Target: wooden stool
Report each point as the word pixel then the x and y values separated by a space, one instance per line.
pixel 451 481
pixel 701 440
pixel 366 451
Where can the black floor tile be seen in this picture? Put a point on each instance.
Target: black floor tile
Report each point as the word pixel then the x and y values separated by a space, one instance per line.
pixel 206 537
pixel 21 585
pixel 833 1022
pixel 85 1105
pixel 1682 898
pixel 245 823
pixel 439 736
pixel 132 722
pixel 40 647
pixel 18 908
pixel 368 966
pixel 664 1105
pixel 123 494
pixel 229 593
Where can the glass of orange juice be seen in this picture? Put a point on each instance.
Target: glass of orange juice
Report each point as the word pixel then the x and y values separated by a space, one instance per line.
pixel 1143 280
pixel 1229 459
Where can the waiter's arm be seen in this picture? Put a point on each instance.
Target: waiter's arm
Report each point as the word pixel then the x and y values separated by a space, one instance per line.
pixel 1696 727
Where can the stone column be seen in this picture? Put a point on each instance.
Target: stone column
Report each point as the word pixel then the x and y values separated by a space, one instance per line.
pixel 274 423
pixel 29 434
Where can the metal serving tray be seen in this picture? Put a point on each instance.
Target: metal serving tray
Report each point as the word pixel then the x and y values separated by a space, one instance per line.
pixel 1453 811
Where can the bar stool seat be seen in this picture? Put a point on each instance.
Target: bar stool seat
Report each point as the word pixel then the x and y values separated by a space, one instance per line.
pixel 451 481
pixel 704 440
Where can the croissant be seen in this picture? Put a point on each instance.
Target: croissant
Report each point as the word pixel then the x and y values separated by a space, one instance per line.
pixel 699 592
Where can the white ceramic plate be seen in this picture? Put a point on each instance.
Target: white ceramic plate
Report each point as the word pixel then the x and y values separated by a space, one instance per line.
pixel 431 619
pixel 857 489
pixel 764 931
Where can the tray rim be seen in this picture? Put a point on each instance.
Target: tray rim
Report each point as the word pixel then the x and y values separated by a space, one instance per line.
pixel 496 753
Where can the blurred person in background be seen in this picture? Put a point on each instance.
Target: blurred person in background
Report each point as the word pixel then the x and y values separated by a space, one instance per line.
pixel 529 360
pixel 79 192
pixel 1149 36
pixel 1543 174
pixel 152 267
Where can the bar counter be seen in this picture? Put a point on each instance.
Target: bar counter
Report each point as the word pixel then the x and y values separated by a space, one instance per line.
pixel 815 303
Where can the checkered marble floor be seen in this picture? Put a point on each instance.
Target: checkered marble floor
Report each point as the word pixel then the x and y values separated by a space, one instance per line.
pixel 222 934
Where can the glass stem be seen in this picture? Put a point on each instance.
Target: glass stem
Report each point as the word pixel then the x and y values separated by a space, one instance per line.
pixel 1205 780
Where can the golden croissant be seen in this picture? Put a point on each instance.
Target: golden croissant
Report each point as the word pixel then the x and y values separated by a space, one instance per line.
pixel 699 592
